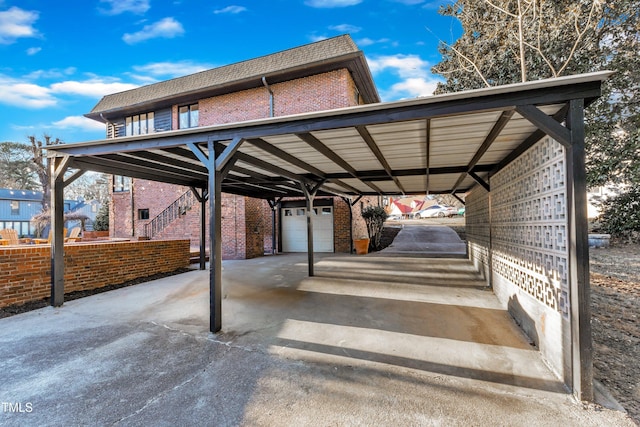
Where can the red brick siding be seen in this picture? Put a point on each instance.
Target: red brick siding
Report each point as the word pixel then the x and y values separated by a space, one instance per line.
pixel 341 226
pixel 334 89
pixel 233 228
pixel 120 214
pixel 267 215
pixel 255 225
pixel 27 270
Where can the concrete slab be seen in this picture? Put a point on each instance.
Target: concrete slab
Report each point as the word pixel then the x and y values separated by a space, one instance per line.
pixel 354 345
pixel 433 241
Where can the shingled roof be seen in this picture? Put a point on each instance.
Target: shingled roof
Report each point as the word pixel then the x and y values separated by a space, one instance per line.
pixel 314 58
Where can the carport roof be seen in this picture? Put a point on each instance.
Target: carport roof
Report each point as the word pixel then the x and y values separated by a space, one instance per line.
pixel 443 144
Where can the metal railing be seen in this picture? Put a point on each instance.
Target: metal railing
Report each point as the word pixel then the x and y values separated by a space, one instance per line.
pixel 174 211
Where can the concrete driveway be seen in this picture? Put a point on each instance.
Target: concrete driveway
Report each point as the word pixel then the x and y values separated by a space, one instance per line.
pixel 369 341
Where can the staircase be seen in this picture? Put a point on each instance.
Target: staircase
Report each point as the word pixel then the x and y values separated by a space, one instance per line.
pixel 174 211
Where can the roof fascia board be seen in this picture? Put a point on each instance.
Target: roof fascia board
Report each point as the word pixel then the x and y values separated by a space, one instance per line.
pixel 531 93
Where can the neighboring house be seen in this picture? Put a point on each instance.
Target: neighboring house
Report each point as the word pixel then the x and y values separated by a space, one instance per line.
pixel 328 74
pixel 406 206
pixel 17 207
pixel 87 208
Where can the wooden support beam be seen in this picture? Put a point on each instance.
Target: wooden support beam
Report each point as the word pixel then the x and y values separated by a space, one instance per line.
pixel 215 239
pixel 310 191
pixel 480 181
pixel 57 169
pixel 497 128
pixel 581 340
pixel 201 197
pixel 368 139
pixel 317 145
pixel 545 123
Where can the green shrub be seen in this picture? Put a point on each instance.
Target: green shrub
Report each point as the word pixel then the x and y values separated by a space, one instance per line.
pixel 621 215
pixel 374 216
pixel 102 218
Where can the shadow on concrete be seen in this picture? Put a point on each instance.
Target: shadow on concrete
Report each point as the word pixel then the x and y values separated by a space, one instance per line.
pixel 433 367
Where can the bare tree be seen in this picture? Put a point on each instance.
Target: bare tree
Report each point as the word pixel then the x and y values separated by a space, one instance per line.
pixel 38 149
pixel 505 41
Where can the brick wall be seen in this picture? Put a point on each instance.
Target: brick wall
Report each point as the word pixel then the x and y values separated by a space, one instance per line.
pixel 256 224
pixel 325 91
pixel 233 227
pixel 26 271
pixel 334 89
pixel 341 226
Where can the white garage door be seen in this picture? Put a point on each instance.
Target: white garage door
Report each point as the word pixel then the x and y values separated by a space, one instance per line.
pixel 294 229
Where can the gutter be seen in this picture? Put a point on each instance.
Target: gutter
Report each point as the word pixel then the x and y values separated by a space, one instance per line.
pixel 264 82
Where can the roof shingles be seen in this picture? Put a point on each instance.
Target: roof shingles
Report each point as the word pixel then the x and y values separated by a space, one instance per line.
pixel 302 56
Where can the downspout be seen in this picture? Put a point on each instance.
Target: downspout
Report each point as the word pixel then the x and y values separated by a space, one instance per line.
pixel 264 82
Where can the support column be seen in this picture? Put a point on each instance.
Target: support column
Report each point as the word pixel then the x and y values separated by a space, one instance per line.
pixel 57 231
pixel 218 169
pixel 310 194
pixel 273 204
pixel 351 204
pixel 58 166
pixel 581 341
pixel 215 248
pixel 202 198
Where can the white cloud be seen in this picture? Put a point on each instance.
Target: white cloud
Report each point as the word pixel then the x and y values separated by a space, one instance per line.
pixel 121 6
pixel 368 42
pixel 404 65
pixel 231 9
pixel 23 94
pixel 78 122
pixel 331 3
pixel 413 87
pixel 416 79
pixel 16 23
pixel 92 88
pixel 54 73
pixel 171 69
pixel 167 28
pixel 33 50
pixel 317 38
pixel 345 28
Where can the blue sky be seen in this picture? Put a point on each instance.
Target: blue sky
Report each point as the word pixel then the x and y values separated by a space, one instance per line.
pixel 58 58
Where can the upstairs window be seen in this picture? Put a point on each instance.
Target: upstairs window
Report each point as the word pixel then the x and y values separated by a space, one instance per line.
pixel 140 124
pixel 15 207
pixel 188 116
pixel 121 183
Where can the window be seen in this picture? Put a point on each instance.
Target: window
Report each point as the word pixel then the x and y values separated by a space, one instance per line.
pixel 15 207
pixel 121 183
pixel 139 124
pixel 143 213
pixel 188 116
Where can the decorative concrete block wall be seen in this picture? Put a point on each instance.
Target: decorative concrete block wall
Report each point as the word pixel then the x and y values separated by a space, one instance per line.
pixel 520 233
pixel 478 229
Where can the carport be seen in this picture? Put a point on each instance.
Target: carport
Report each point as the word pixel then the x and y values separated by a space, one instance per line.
pixel 516 150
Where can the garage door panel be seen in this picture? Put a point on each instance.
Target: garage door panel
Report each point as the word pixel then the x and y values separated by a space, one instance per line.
pixel 294 229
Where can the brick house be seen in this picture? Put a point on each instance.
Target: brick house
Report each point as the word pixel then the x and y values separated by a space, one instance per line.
pixel 325 75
